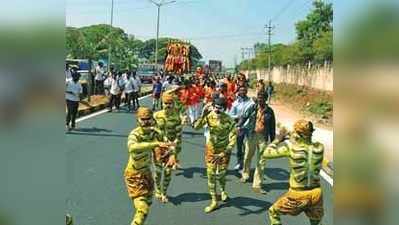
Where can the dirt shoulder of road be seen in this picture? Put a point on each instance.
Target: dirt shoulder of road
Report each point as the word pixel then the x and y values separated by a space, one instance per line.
pixel 289 113
pixel 294 111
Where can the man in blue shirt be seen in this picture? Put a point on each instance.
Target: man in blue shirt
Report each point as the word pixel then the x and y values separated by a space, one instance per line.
pixel 156 93
pixel 239 108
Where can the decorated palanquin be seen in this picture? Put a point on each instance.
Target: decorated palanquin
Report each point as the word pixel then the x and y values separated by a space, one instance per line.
pixel 178 58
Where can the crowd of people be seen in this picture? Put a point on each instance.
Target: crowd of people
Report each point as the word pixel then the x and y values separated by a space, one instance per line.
pixel 122 86
pixel 230 119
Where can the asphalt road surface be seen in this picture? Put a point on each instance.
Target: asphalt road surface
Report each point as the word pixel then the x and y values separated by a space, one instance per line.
pixel 97 156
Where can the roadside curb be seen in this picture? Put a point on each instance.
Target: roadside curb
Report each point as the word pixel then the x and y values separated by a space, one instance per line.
pixel 101 106
pixel 328 167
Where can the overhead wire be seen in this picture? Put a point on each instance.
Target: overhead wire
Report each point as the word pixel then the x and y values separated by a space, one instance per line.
pixel 283 9
pixel 219 36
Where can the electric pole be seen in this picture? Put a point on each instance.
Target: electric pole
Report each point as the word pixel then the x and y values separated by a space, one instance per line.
pixel 235 64
pixel 244 52
pixel 269 29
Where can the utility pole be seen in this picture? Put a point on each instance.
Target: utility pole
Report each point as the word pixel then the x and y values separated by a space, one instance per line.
pixel 235 64
pixel 156 42
pixel 246 51
pixel 269 28
pixel 109 36
pixel 158 5
pixel 242 55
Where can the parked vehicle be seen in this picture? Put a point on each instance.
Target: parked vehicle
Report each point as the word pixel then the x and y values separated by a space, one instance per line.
pixel 215 66
pixel 83 68
pixel 146 72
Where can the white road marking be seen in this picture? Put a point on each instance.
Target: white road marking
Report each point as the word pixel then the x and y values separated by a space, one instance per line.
pixel 327 177
pixel 101 112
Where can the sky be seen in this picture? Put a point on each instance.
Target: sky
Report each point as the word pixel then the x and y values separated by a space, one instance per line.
pixel 218 28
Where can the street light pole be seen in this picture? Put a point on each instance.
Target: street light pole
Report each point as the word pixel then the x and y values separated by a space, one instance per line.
pixel 158 5
pixel 156 42
pixel 109 36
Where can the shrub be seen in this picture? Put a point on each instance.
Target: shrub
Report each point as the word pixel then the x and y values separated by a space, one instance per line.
pixel 252 83
pixel 321 107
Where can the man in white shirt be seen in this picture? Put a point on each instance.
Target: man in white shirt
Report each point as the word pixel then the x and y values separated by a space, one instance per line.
pixel 136 83
pixel 124 79
pixel 68 75
pixel 167 83
pixel 115 91
pixel 241 106
pixel 72 96
pixel 99 78
pixel 121 84
pixel 107 84
pixel 129 91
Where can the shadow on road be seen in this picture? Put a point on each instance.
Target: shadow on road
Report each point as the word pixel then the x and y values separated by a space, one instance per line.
pixel 277 173
pixel 99 135
pixel 243 203
pixel 93 130
pixel 192 133
pixel 189 172
pixel 276 186
pixel 189 197
pixel 246 204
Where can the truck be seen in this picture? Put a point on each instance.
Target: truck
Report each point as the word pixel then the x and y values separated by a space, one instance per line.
pixel 215 66
pixel 84 66
pixel 147 72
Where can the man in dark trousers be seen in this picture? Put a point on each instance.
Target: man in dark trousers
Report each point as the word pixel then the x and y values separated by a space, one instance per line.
pixel 269 92
pixel 136 90
pixel 115 92
pixel 73 90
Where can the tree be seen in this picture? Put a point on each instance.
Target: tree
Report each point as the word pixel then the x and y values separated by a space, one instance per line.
pixel 317 22
pixel 323 48
pixel 94 42
pixel 74 42
pixel 314 42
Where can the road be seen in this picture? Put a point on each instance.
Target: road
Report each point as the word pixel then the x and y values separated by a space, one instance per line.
pixel 97 156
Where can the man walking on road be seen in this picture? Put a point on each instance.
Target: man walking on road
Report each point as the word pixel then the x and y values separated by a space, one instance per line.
pixel 72 95
pixel 262 130
pixel 115 92
pixel 241 106
pixel 269 91
pixel 99 79
pixel 129 91
pixel 156 93
pixel 138 176
pixel 136 90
